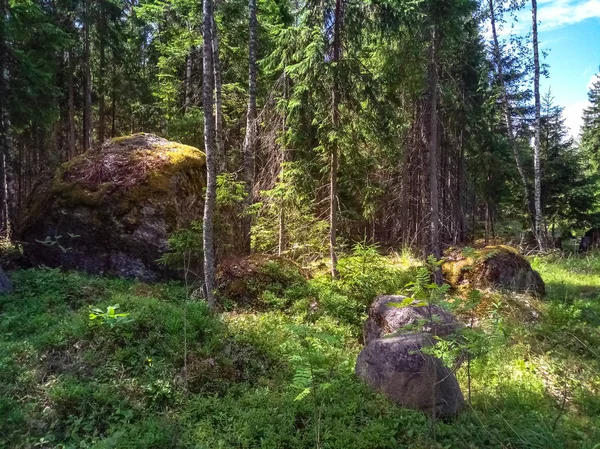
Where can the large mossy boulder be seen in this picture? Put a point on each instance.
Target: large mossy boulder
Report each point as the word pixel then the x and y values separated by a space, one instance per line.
pixel 491 267
pixel 112 209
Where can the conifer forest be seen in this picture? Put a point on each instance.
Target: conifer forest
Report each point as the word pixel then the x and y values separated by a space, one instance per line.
pixel 299 224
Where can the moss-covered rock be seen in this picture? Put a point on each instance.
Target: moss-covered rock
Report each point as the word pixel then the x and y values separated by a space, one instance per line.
pixel 496 266
pixel 112 209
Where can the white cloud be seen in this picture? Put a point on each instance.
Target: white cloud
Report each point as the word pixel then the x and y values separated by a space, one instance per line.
pixel 573 117
pixel 559 13
pixel 573 113
pixel 552 14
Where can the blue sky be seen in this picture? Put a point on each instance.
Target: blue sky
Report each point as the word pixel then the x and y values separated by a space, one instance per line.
pixel 570 30
pixel 574 56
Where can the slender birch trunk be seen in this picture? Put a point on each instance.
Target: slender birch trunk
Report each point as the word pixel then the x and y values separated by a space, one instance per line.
pixel 211 156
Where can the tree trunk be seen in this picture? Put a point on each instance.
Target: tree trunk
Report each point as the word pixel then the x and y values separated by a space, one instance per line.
pixel 335 119
pixel 113 107
pixel 188 80
pixel 211 156
pixel 6 142
pixel 507 113
pixel 251 129
pixel 218 98
pixel 71 107
pixel 537 172
pixel 434 208
pixel 101 77
pixel 87 80
pixel 281 218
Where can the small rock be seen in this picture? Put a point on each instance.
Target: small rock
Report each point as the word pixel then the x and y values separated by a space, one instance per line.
pixel 5 284
pixel 397 368
pixel 385 319
pixel 590 240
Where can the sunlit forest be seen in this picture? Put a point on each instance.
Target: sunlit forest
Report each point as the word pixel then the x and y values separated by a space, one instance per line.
pixel 296 224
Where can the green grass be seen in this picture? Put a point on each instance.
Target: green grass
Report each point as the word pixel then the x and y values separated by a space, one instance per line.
pixel 280 375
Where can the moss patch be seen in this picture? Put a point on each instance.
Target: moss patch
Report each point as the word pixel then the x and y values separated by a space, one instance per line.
pixel 121 200
pixel 493 266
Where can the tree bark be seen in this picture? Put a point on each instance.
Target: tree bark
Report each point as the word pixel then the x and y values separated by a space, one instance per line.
pixel 211 156
pixel 335 122
pixel 102 75
pixel 218 98
pixel 251 129
pixel 537 172
pixel 113 107
pixel 507 113
pixel 434 208
pixel 71 107
pixel 6 141
pixel 281 218
pixel 188 80
pixel 87 79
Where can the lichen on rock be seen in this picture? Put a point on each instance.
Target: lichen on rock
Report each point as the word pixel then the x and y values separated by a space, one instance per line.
pixel 112 209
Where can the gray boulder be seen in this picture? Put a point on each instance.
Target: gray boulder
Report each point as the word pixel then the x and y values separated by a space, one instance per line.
pixel 397 368
pixel 385 319
pixel 5 284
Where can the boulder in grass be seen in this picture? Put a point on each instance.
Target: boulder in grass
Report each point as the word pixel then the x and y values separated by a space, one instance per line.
pixel 491 267
pixel 399 369
pixel 5 284
pixel 590 240
pixel 112 209
pixel 386 318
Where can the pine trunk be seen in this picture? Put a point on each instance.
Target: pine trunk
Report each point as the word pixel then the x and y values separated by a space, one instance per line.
pixel 537 172
pixel 251 129
pixel 101 77
pixel 434 208
pixel 8 205
pixel 281 218
pixel 113 107
pixel 218 98
pixel 87 81
pixel 71 107
pixel 335 122
pixel 211 156
pixel 507 112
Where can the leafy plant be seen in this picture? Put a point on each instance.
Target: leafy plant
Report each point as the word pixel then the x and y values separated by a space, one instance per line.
pixel 108 317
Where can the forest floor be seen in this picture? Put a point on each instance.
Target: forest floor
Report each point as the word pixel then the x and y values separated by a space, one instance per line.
pixel 278 371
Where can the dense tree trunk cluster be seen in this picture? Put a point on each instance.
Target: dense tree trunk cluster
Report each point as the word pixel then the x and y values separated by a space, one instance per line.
pixel 339 122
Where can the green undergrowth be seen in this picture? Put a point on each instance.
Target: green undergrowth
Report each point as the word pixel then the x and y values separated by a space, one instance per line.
pixel 167 373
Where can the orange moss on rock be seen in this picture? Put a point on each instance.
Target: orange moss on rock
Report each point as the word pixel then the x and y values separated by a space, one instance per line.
pixel 497 266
